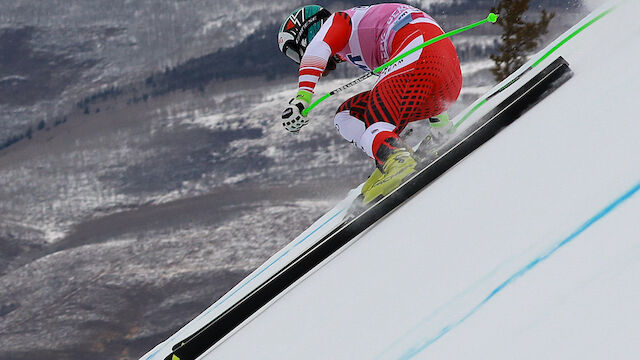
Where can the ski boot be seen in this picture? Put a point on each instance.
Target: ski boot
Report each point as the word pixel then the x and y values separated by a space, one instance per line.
pixel 358 205
pixel 373 178
pixel 398 166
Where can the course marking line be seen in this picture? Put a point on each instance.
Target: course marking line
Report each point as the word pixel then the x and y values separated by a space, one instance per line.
pixel 414 351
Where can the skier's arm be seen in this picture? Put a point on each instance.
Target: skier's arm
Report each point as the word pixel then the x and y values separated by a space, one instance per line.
pixel 332 37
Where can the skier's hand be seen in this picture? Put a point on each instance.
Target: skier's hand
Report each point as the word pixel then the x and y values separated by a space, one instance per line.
pixel 331 65
pixel 292 118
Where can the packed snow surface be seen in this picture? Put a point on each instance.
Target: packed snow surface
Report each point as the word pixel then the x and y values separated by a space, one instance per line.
pixel 529 248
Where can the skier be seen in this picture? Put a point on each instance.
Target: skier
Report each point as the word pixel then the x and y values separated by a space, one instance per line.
pixel 421 86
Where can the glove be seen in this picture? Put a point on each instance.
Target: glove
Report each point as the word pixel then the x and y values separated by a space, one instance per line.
pixel 292 118
pixel 331 65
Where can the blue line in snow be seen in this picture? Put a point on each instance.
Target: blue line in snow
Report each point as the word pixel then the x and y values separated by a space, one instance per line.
pixel 254 277
pixel 414 351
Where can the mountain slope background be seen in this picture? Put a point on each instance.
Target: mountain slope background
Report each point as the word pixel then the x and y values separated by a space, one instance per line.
pixel 148 174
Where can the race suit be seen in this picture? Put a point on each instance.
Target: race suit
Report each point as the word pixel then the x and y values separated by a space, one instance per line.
pixel 420 86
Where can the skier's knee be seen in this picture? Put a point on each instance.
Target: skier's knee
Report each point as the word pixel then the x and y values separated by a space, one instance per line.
pixel 348 126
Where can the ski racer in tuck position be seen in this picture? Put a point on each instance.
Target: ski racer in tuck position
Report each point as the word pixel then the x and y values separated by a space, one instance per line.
pixel 421 86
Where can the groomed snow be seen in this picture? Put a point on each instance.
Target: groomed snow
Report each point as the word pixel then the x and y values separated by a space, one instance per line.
pixel 527 249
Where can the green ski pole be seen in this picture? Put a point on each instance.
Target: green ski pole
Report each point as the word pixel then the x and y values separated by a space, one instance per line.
pixel 492 18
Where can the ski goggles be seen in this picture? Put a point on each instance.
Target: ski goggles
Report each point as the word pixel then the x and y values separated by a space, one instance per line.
pixel 293 51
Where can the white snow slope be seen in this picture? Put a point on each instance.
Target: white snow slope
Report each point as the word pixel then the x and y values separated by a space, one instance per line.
pixel 529 248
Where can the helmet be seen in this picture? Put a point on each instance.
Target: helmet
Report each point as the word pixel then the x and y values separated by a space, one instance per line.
pixel 299 28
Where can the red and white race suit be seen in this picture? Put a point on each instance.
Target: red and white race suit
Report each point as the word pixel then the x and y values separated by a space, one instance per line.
pixel 417 87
